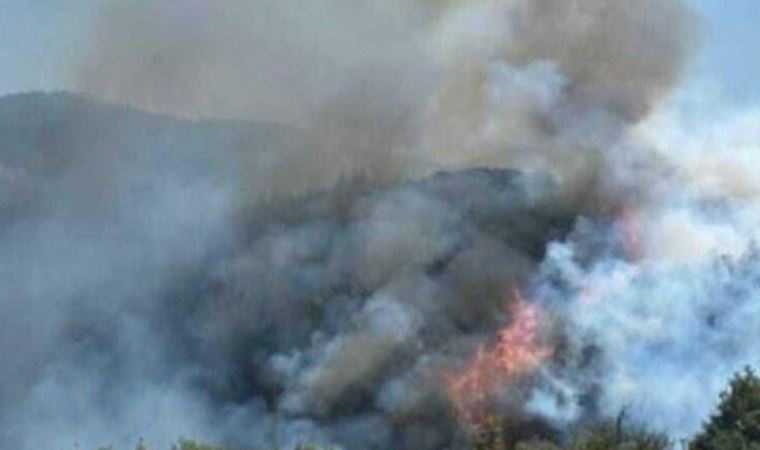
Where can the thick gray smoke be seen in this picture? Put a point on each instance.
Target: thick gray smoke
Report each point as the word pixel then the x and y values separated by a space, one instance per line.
pixel 263 285
pixel 312 319
pixel 405 87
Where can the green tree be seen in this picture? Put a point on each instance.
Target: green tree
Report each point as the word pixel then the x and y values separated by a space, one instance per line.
pixel 736 423
pixel 618 436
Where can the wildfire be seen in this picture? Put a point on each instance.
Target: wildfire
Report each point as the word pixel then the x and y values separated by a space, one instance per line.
pixel 516 353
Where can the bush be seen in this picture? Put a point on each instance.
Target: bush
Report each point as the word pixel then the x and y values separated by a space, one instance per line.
pixel 192 445
pixel 185 444
pixel 610 436
pixel 736 423
pixel 537 445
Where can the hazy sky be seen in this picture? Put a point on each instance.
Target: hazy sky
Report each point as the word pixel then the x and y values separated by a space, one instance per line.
pixel 39 41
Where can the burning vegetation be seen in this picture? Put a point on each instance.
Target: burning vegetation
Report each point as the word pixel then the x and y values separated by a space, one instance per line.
pixel 733 426
pixel 339 278
pixel 516 354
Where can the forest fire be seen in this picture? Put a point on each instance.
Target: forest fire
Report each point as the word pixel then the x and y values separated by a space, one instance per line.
pixel 516 353
pixel 288 225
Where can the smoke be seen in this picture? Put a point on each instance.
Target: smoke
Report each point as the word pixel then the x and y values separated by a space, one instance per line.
pixel 403 88
pixel 316 280
pixel 672 320
pixel 270 60
pixel 323 319
pixel 553 86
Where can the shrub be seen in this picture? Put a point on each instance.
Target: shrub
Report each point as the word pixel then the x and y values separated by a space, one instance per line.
pixel 537 445
pixel 192 445
pixel 608 436
pixel 185 444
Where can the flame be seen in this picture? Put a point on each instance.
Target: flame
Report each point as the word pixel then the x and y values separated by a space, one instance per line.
pixel 515 353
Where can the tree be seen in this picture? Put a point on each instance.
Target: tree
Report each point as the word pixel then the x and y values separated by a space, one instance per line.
pixel 736 423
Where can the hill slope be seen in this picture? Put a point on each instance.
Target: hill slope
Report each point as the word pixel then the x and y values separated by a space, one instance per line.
pixel 151 300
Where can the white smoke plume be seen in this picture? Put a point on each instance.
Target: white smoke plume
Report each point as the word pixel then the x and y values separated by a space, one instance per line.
pixel 667 298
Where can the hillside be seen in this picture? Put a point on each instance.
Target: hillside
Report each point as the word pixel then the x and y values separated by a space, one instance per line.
pixel 70 147
pixel 157 293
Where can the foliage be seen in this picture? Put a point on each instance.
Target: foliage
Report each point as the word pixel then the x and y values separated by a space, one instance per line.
pixel 537 445
pixel 603 436
pixel 185 444
pixel 615 436
pixel 736 423
pixel 192 445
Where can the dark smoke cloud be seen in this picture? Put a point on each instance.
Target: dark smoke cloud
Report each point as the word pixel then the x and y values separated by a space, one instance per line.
pixel 315 318
pixel 402 88
pixel 262 59
pixel 555 86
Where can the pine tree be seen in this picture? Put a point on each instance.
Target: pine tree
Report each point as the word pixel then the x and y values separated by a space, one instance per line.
pixel 736 423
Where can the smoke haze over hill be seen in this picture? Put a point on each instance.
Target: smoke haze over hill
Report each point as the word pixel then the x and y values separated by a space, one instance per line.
pixel 322 273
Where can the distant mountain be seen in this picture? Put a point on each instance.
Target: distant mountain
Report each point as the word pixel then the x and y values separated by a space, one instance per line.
pixel 55 145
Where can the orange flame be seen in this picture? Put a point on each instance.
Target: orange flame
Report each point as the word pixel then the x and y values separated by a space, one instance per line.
pixel 516 353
